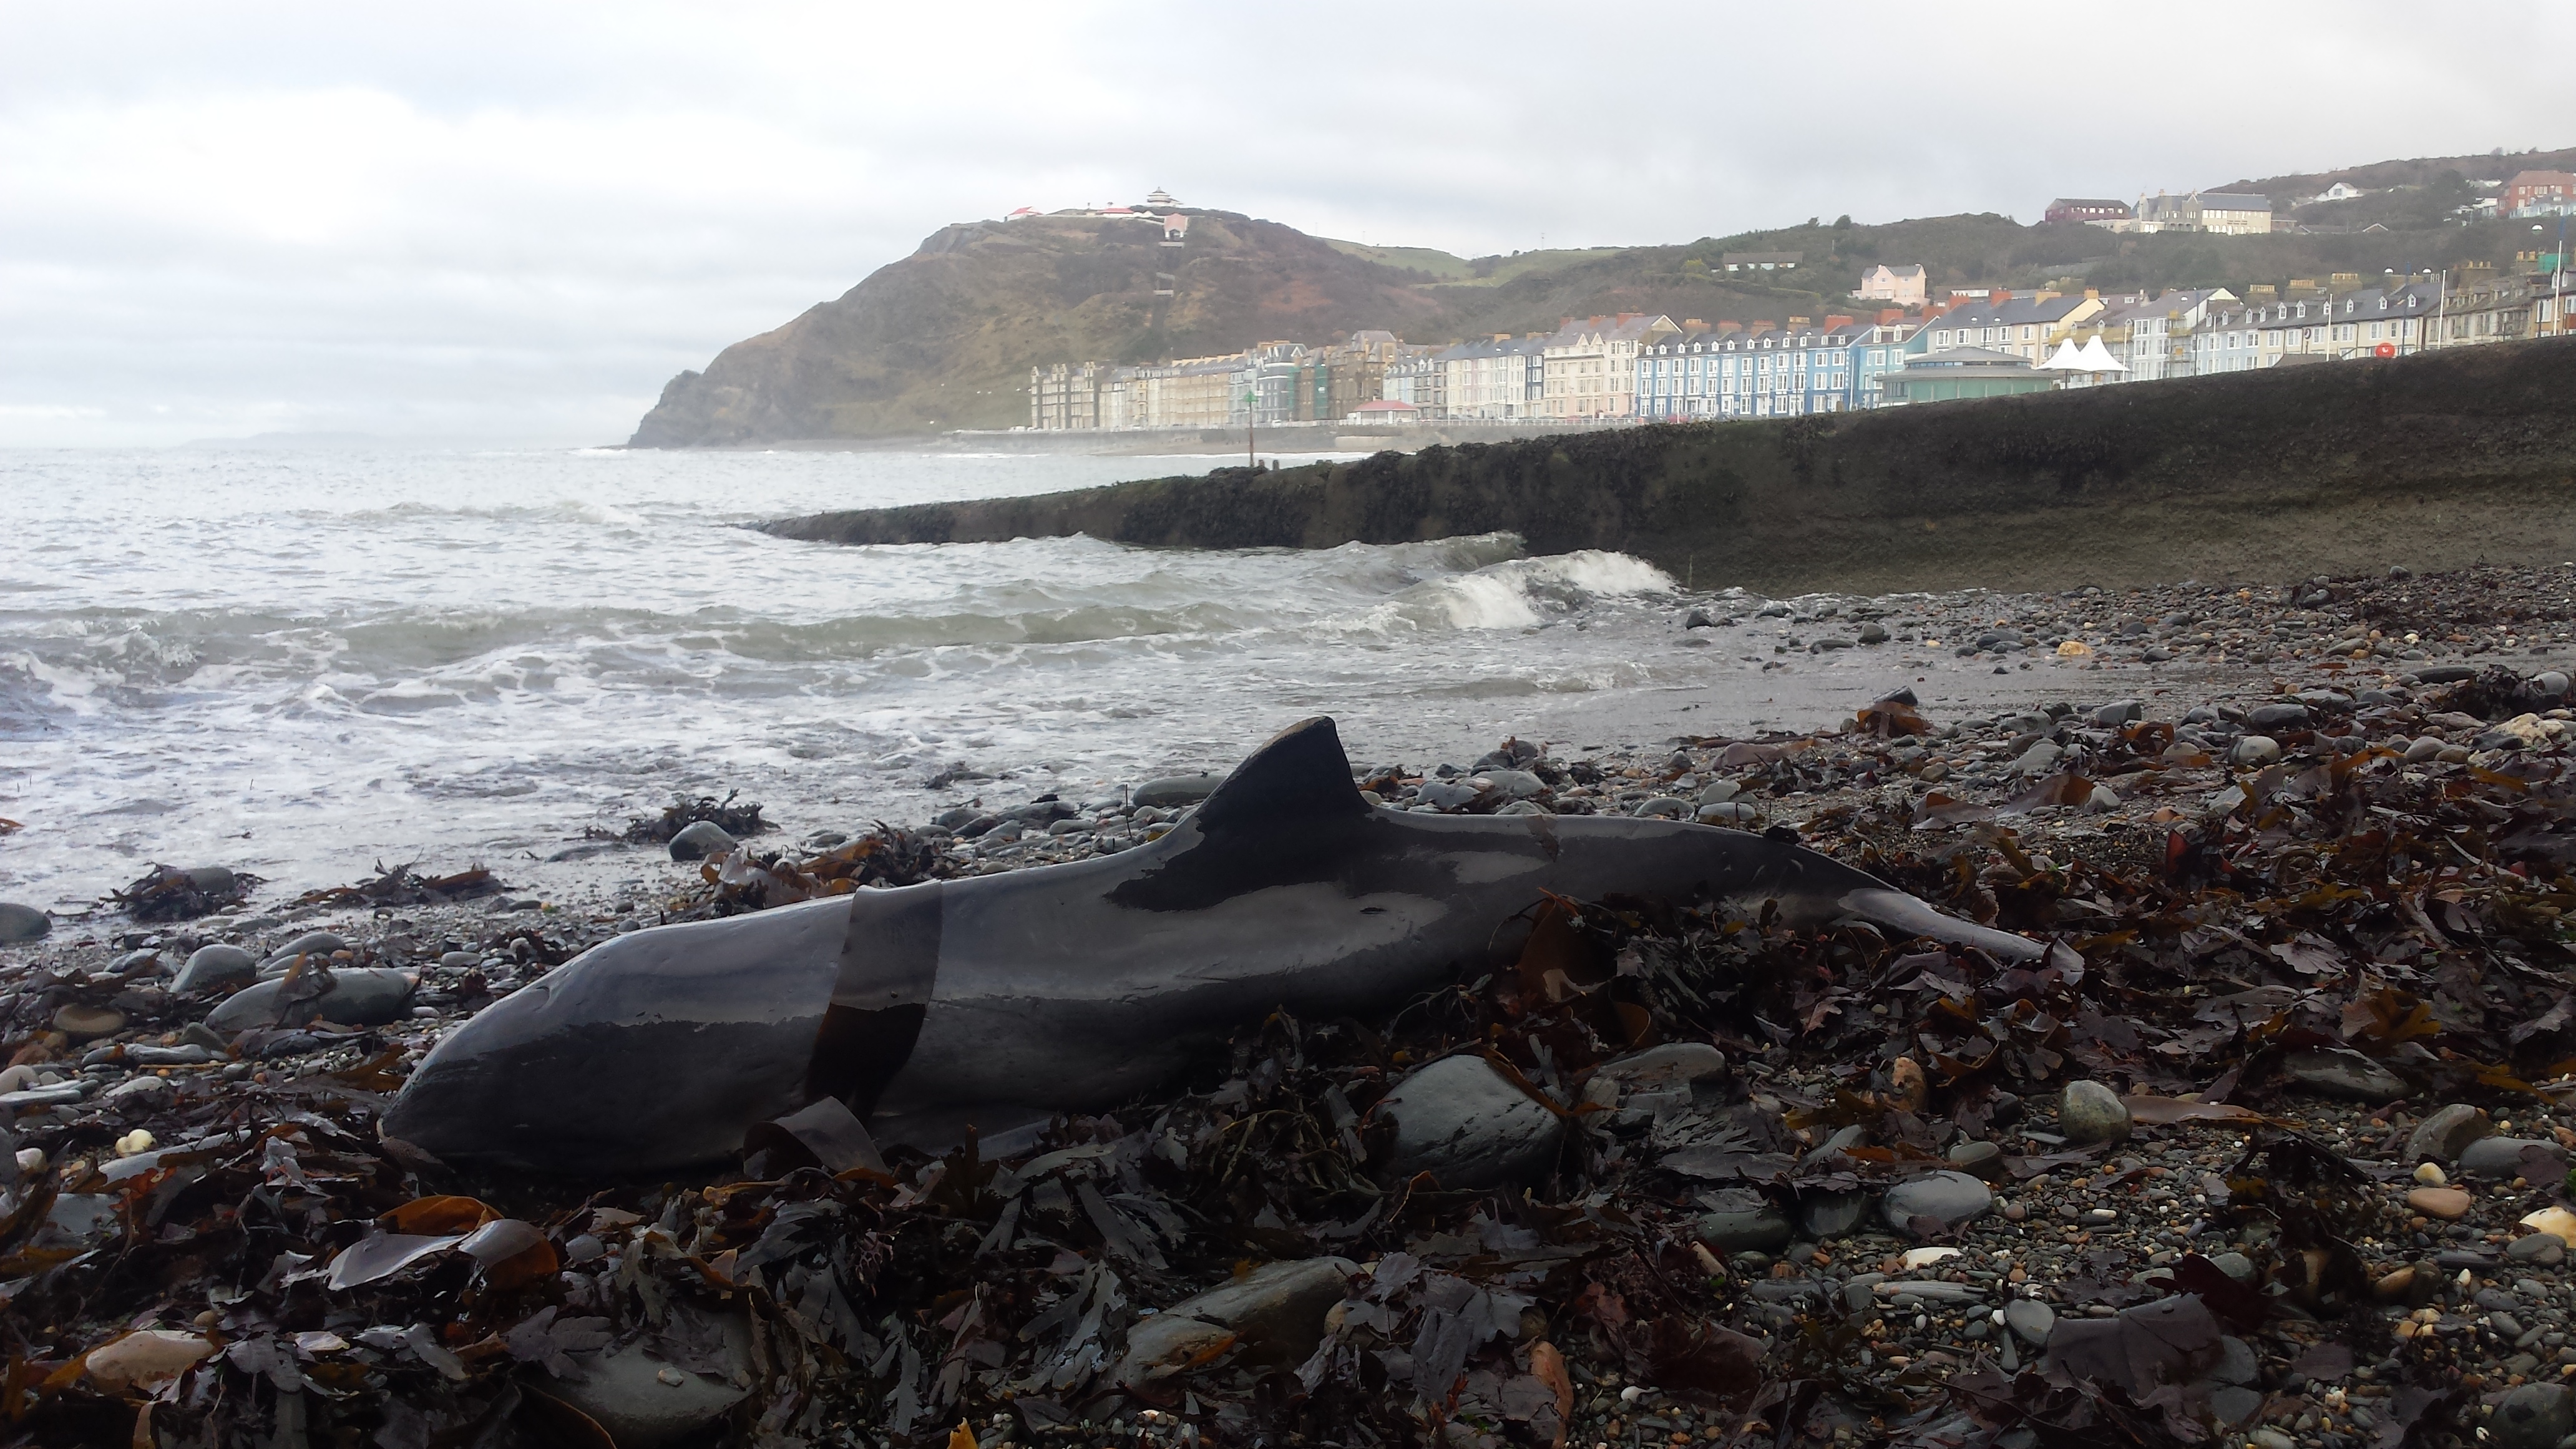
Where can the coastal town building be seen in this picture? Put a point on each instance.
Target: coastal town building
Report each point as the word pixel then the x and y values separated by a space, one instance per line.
pixel 2490 309
pixel 2227 213
pixel 2152 337
pixel 2538 193
pixel 1762 371
pixel 1589 368
pixel 1901 286
pixel 2029 326
pixel 2092 210
pixel 1761 261
pixel 1963 373
pixel 1066 396
pixel 2265 328
pixel 1977 342
pixel 1495 380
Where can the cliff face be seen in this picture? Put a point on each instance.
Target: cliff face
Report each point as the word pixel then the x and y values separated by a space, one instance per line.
pixel 945 337
pixel 2457 458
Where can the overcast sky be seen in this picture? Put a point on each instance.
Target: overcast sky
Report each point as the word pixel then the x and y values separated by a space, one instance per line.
pixel 519 220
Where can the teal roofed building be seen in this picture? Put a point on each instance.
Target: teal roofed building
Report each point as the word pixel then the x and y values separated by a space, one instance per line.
pixel 1962 373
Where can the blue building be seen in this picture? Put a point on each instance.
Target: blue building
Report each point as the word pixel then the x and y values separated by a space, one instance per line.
pixel 1767 372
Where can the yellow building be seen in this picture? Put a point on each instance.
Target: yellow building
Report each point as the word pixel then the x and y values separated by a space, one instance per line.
pixel 1589 368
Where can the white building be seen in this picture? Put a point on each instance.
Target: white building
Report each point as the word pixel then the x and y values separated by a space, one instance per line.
pixel 2389 321
pixel 1497 378
pixel 1589 368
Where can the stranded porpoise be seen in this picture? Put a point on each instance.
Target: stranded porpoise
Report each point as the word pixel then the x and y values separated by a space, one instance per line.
pixel 997 1001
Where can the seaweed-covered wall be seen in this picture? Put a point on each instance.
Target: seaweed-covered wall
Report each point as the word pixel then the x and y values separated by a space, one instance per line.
pixel 2437 461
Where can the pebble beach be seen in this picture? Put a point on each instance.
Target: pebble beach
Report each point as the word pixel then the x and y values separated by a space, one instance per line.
pixel 2269 1150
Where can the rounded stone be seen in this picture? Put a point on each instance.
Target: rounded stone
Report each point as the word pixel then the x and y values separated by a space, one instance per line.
pixel 363 996
pixel 2342 1072
pixel 1833 1214
pixel 2030 1320
pixel 2544 1249
pixel 1745 1222
pixel 1273 1315
pixel 1673 1067
pixel 20 924
pixel 644 1401
pixel 2512 1157
pixel 2254 750
pixel 1173 790
pixel 216 965
pixel 2091 1112
pixel 2446 1203
pixel 1948 1198
pixel 700 840
pixel 1460 1121
pixel 1984 1159
pixel 2442 1136
pixel 83 1022
pixel 2534 1416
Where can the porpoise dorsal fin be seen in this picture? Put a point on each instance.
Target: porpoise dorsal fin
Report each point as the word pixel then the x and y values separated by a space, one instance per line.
pixel 1300 774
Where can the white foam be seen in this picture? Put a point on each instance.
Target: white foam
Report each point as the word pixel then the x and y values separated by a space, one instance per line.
pixel 421 655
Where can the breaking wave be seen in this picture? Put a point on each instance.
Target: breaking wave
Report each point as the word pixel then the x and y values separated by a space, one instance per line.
pixel 298 660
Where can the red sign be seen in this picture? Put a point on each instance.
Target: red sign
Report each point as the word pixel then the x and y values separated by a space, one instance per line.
pixel 2385 349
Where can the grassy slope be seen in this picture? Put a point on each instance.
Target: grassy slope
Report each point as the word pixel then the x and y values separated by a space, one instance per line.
pixel 2433 462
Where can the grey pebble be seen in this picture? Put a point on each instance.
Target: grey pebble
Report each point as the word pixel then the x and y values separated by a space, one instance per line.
pixel 2031 1319
pixel 2342 1072
pixel 1458 1120
pixel 358 996
pixel 20 924
pixel 1950 1198
pixel 2544 1249
pixel 2534 1416
pixel 701 840
pixel 2512 1157
pixel 2442 1136
pixel 2091 1112
pixel 212 966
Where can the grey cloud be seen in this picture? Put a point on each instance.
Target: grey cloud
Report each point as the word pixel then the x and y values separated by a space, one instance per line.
pixel 522 220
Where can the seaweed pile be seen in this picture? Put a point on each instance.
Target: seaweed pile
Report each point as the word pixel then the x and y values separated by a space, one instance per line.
pixel 685 811
pixel 1786 1185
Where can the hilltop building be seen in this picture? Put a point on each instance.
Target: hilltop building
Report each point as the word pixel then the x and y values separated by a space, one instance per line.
pixel 2538 193
pixel 2226 213
pixel 2092 210
pixel 1901 286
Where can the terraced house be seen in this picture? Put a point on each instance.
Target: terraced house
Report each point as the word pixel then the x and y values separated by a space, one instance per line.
pixel 1499 378
pixel 1764 372
pixel 2259 332
pixel 1589 368
pixel 2028 325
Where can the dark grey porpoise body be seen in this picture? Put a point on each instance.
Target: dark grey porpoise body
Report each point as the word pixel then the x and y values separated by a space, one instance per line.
pixel 1002 999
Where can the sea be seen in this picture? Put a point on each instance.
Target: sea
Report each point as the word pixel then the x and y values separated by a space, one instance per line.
pixel 309 663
